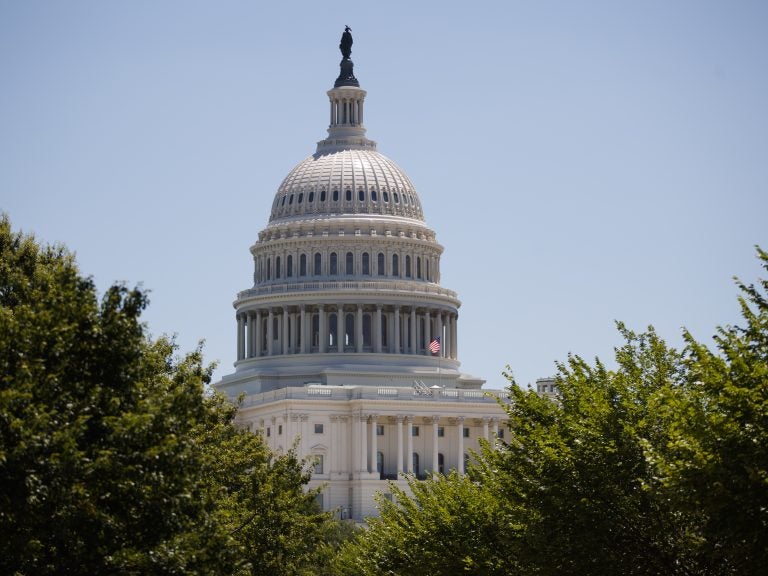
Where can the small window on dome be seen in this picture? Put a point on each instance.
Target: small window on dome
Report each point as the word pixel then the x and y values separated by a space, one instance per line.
pixel 301 197
pixel 386 196
pixel 322 195
pixel 311 197
pixel 405 199
pixel 395 197
pixel 283 202
pixel 290 200
pixel 361 195
pixel 374 197
pixel 349 195
pixel 335 195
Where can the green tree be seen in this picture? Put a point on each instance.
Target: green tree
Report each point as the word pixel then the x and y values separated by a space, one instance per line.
pixel 659 466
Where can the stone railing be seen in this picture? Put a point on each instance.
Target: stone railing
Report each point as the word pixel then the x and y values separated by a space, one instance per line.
pixel 344 393
pixel 323 285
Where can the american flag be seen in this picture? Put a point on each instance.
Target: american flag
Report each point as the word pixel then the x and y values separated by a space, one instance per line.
pixel 434 346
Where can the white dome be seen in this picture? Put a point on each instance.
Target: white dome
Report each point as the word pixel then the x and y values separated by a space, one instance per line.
pixel 351 181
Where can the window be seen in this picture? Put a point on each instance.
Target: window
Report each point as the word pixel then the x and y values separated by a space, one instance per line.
pixel 418 267
pixel 283 202
pixel 318 463
pixel 374 197
pixel 441 463
pixel 318 264
pixel 290 200
pixel 395 265
pixel 335 195
pixel 311 197
pixel 386 196
pixel 366 264
pixel 405 199
pixel 361 195
pixel 396 197
pixel 322 195
pixel 407 266
pixel 277 267
pixel 414 430
pixel 349 325
pixel 318 428
pixel 380 462
pixel 279 429
pixel 269 268
pixel 350 264
pixel 466 432
pixel 441 431
pixel 301 197
pixel 366 330
pixel 303 265
pixel 334 264
pixel 501 433
pixel 381 270
pixel 379 429
pixel 416 463
pixel 348 195
pixel 289 266
pixel 269 431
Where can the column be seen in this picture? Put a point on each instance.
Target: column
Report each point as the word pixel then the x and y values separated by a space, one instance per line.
pixel 399 426
pixel 460 425
pixel 270 335
pixel 284 339
pixel 427 332
pixel 439 332
pixel 414 340
pixel 323 329
pixel 374 444
pixel 377 331
pixel 409 455
pixel 396 331
pixel 303 335
pixel 340 328
pixel 363 445
pixel 435 466
pixel 248 335
pixel 454 340
pixel 485 428
pixel 359 329
pixel 495 422
pixel 240 338
pixel 259 335
pixel 333 445
pixel 446 347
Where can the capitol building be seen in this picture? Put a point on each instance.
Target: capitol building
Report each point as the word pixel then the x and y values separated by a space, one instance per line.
pixel 347 343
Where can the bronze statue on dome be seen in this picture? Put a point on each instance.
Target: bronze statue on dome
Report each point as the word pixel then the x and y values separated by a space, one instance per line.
pixel 346 43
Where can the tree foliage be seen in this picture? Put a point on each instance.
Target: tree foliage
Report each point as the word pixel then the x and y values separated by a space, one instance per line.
pixel 658 466
pixel 113 460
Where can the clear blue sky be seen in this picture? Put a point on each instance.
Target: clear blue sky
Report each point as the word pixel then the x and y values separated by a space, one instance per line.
pixel 581 162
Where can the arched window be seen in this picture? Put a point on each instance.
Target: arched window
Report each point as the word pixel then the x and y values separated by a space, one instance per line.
pixel 289 266
pixel 407 266
pixel 361 195
pixel 318 264
pixel 334 264
pixel 290 200
pixel 349 195
pixel 264 334
pixel 322 195
pixel 350 264
pixel 283 202
pixel 384 342
pixel 396 197
pixel 277 267
pixel 315 330
pixel 269 268
pixel 333 322
pixel 374 196
pixel 303 265
pixel 366 330
pixel 311 197
pixel 349 326
pixel 366 264
pixel 301 197
pixel 426 262
pixel 380 463
pixel 386 195
pixel 381 270
pixel 416 463
pixel 335 195
pixel 418 267
pixel 395 265
pixel 441 463
pixel 405 199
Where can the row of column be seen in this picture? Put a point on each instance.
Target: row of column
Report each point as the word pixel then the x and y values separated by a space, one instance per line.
pixel 347 111
pixel 366 461
pixel 291 330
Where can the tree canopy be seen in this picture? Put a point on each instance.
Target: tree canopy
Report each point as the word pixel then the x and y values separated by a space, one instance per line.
pixel 113 459
pixel 658 466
